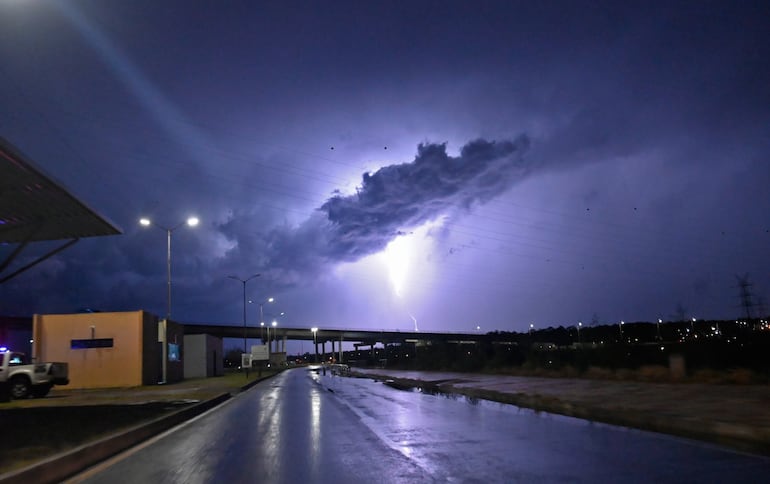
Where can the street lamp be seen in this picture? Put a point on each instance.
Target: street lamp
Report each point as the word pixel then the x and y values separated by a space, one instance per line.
pixel 243 282
pixel 275 323
pixel 191 222
pixel 261 314
pixel 659 321
pixel 315 342
pixel 580 325
pixel 621 328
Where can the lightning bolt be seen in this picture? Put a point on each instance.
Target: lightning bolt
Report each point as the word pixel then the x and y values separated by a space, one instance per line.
pixel 415 323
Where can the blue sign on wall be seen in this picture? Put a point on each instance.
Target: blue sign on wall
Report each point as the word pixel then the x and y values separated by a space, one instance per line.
pixel 82 344
pixel 173 352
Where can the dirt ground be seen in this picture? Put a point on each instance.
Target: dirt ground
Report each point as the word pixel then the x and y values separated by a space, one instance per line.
pixel 734 415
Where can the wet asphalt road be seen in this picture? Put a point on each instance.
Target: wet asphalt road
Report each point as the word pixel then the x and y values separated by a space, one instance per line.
pixel 304 427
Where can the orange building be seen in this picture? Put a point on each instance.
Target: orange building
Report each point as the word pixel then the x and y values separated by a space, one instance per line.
pixel 111 349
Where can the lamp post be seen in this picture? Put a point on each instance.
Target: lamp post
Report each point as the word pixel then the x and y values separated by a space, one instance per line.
pixel 262 315
pixel 243 282
pixel 621 329
pixel 315 343
pixel 191 222
pixel 262 324
pixel 275 323
pixel 659 321
pixel 580 325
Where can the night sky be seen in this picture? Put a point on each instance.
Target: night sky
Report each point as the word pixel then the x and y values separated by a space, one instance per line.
pixel 386 164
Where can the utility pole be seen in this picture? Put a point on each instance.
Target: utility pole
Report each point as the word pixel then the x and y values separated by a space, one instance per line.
pixel 745 295
pixel 243 282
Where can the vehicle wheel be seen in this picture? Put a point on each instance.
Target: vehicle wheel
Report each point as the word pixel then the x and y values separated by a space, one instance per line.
pixel 39 391
pixel 19 388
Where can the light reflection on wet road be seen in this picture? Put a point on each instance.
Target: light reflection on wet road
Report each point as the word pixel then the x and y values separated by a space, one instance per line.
pixel 304 427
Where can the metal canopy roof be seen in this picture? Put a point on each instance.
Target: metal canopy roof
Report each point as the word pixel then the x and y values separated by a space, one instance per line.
pixel 34 207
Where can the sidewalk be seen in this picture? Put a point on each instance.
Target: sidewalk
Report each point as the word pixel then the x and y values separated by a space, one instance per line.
pixel 737 416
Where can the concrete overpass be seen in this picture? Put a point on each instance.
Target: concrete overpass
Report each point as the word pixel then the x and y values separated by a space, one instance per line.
pixel 359 337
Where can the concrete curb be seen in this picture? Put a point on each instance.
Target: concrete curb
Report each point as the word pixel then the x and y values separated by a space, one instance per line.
pixel 259 379
pixel 61 466
pixel 746 438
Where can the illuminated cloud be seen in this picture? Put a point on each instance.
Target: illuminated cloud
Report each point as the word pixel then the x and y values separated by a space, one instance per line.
pixel 401 197
pixel 390 202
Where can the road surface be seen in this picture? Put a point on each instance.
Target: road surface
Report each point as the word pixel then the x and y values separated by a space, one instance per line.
pixel 302 426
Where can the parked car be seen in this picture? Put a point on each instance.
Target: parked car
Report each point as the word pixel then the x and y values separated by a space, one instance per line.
pixel 22 378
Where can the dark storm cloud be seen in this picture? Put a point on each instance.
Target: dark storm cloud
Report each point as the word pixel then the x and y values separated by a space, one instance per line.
pixel 392 201
pixel 400 197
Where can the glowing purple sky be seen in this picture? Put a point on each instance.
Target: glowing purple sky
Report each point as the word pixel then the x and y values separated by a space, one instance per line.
pixel 526 163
